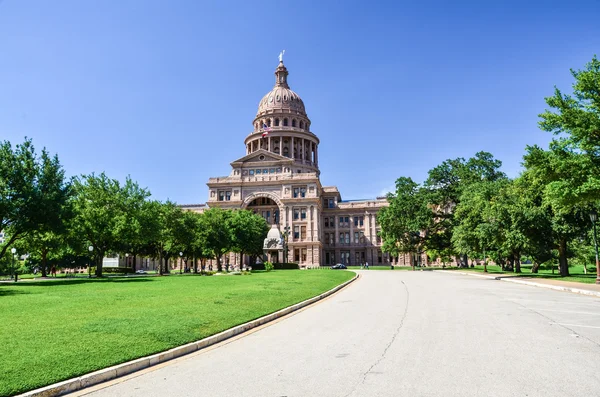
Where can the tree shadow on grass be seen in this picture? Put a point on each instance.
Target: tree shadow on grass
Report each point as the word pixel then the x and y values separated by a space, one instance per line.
pixel 52 283
pixel 9 292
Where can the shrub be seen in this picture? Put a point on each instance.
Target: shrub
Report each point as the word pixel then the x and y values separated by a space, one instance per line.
pixel 113 270
pixel 268 266
pixel 284 266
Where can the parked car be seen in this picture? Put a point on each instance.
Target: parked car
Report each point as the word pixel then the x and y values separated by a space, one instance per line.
pixel 339 266
pixel 141 271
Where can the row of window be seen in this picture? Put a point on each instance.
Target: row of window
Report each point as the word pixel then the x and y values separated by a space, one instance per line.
pixel 299 213
pixel 264 171
pixel 267 215
pixel 284 122
pixel 224 195
pixel 299 232
pixel 359 258
pixel 299 192
pixel 344 221
pixel 344 238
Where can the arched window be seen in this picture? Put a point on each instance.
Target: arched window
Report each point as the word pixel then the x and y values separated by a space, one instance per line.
pixel 277 122
pixel 302 124
pixel 268 122
pixel 293 122
pixel 286 152
pixel 285 122
pixel 276 150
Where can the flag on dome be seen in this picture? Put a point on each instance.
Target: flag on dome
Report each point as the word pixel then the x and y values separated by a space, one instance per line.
pixel 266 130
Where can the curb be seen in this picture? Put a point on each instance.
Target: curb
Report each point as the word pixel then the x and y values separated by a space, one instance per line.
pixel 532 283
pixel 106 374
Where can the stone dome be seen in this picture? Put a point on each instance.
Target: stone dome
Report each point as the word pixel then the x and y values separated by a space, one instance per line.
pixel 281 98
pixel 274 233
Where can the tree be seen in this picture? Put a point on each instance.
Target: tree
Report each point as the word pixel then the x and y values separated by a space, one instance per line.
pixel 550 171
pixel 405 222
pixel 103 213
pixel 448 182
pixel 215 232
pixel 33 192
pixel 248 232
pixel 575 120
pixel 475 227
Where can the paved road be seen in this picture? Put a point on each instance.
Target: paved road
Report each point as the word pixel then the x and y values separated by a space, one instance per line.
pixel 402 334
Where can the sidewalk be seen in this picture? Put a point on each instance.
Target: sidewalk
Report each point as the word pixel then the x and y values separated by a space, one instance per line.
pixel 558 285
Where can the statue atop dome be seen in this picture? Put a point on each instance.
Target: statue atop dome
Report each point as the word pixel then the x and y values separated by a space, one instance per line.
pixel 281 56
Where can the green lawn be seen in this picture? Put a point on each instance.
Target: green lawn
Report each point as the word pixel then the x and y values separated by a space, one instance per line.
pixel 576 273
pixel 55 330
pixel 378 267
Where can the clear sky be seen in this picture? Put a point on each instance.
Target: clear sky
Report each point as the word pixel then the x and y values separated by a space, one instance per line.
pixel 166 91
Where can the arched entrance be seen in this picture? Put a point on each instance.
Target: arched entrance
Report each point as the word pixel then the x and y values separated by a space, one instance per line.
pixel 266 205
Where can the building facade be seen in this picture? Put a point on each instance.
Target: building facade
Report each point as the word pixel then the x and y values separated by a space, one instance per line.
pixel 279 178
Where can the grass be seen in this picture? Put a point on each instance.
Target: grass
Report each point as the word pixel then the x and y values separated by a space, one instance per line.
pixel 380 267
pixel 576 273
pixel 59 329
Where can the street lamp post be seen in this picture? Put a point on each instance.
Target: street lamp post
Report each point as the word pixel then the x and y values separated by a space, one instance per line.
pixel 90 249
pixel 180 261
pixel 14 252
pixel 593 218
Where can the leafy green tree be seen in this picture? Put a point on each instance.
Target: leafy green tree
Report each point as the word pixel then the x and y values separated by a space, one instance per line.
pixel 168 244
pixel 103 213
pixel 215 232
pixel 144 230
pixel 248 232
pixel 575 119
pixel 475 228
pixel 406 221
pixel 549 171
pixel 33 192
pixel 448 183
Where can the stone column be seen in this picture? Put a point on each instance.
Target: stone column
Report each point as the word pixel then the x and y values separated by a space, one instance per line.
pixel 302 151
pixel 337 234
pixel 269 149
pixel 310 224
pixel 316 155
pixel 293 149
pixel 352 231
pixel 281 146
pixel 317 220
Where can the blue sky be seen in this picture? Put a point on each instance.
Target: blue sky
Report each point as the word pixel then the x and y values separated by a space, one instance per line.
pixel 166 91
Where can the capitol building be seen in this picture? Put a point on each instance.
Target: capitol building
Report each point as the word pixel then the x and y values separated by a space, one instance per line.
pixel 279 178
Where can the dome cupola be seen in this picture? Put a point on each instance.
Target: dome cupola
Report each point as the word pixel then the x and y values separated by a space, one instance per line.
pixel 281 98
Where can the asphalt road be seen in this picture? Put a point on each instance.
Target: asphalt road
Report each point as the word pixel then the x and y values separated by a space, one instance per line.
pixel 401 333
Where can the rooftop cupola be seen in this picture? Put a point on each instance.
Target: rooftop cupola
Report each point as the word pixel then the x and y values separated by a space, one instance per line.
pixel 281 73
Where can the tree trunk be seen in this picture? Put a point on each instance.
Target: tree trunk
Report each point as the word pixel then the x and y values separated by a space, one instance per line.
pixel 99 257
pixel 44 262
pixel 134 261
pixel 517 261
pixel 219 263
pixel 562 257
pixel 160 263
pixel 535 267
pixel 195 264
